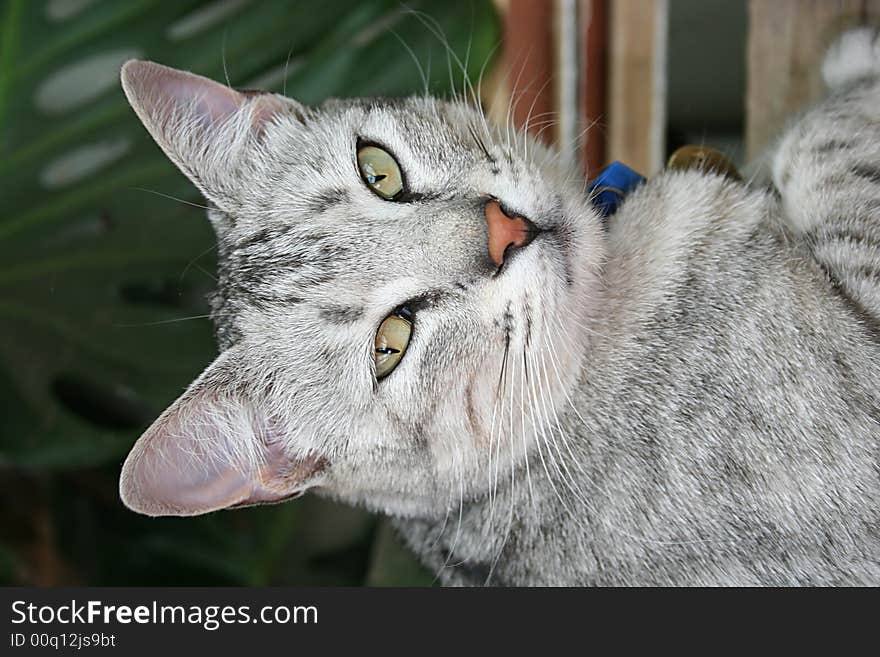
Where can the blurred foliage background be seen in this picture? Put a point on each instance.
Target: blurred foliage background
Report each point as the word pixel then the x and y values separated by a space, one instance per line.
pixel 99 272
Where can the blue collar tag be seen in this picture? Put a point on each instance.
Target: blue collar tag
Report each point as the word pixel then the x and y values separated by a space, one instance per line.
pixel 610 187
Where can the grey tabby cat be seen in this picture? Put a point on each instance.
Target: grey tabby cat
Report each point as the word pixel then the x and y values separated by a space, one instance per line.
pixel 424 315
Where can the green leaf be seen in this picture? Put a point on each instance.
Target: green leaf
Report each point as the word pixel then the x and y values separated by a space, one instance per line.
pixel 392 564
pixel 7 565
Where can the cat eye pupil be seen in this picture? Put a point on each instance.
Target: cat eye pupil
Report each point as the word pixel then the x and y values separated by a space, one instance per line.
pixel 380 171
pixel 392 339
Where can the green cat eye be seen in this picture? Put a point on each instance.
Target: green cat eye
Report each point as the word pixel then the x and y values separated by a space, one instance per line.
pixel 380 171
pixel 392 339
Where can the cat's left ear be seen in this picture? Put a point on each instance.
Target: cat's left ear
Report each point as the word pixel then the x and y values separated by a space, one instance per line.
pixel 206 128
pixel 214 448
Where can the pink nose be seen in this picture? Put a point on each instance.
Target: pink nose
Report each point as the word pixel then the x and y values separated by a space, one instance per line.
pixel 505 232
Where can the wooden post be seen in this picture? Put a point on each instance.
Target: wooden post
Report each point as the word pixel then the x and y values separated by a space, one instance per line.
pixel 637 97
pixel 594 28
pixel 529 55
pixel 551 74
pixel 786 42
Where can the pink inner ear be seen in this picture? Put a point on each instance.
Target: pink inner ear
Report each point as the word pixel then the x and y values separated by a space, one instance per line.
pixel 213 101
pixel 156 91
pixel 179 475
pixel 205 454
pixel 279 485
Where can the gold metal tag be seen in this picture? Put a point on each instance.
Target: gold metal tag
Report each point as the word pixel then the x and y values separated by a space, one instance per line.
pixel 704 159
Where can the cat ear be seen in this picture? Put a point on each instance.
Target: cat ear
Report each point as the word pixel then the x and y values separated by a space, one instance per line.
pixel 211 450
pixel 206 128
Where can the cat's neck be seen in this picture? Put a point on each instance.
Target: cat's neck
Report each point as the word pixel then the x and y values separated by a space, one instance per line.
pixel 485 539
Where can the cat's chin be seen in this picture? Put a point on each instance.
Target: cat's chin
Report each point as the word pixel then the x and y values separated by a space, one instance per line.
pixel 422 507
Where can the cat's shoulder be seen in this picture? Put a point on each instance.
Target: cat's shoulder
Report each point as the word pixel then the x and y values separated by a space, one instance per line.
pixel 681 224
pixel 676 210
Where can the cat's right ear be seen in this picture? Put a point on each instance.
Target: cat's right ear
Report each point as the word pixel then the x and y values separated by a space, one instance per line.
pixel 206 128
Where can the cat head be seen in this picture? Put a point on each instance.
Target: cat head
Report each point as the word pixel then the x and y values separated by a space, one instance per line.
pixel 401 294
